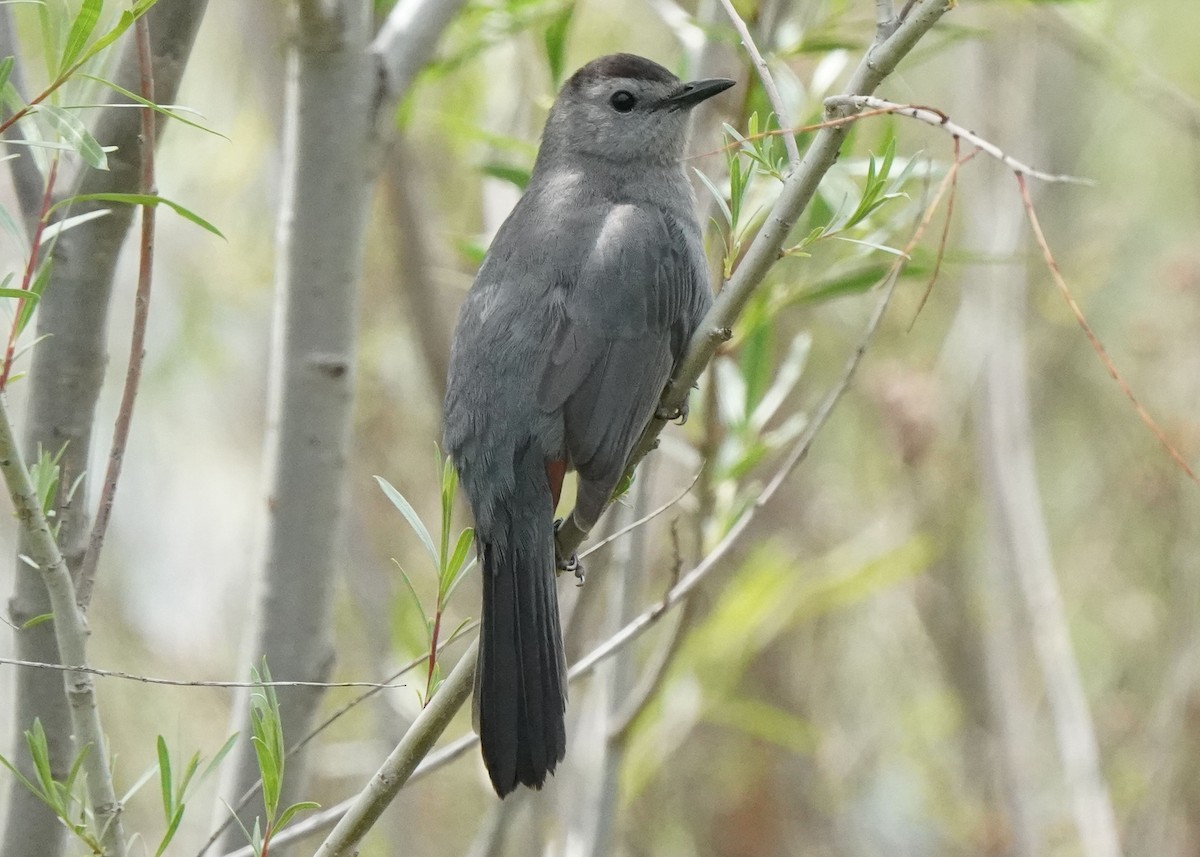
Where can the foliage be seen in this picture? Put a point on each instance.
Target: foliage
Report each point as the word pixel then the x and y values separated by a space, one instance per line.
pixel 449 558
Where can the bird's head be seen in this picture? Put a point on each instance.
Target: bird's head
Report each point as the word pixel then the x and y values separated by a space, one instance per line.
pixel 624 108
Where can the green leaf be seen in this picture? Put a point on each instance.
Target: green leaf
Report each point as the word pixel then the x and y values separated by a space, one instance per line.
pixel 157 108
pixel 37 620
pixel 286 815
pixel 127 19
pixel 172 827
pixel 555 38
pixel 40 280
pixel 410 515
pixel 718 196
pixel 164 780
pixel 412 590
pixel 455 564
pixel 141 199
pixel 518 176
pixel 6 67
pixel 220 757
pixel 81 30
pixel 75 134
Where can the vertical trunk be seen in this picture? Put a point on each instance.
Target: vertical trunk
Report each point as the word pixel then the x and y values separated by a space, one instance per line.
pixel 320 235
pixel 64 383
pixel 1020 540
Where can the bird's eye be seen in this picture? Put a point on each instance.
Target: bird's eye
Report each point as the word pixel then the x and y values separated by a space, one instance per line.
pixel 622 101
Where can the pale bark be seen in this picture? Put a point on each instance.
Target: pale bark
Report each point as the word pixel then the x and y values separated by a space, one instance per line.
pixel 64 383
pixel 320 233
pixel 1020 537
pixel 341 90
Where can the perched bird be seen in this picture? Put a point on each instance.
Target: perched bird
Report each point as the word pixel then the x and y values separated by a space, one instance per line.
pixel 581 310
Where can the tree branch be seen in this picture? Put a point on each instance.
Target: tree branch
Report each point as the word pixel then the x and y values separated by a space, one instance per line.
pixel 782 115
pixel 86 576
pixel 71 633
pixel 405 44
pixel 399 766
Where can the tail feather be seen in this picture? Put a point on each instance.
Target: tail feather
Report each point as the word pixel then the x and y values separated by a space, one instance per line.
pixel 520 681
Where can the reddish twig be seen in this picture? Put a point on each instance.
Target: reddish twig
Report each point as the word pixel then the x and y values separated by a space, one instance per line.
pixel 1063 289
pixel 941 254
pixel 141 316
pixel 30 269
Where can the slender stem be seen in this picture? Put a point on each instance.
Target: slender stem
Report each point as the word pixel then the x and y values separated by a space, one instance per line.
pixel 30 269
pixel 141 318
pixel 782 115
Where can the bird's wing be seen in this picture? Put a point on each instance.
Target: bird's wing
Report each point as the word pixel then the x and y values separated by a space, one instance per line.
pixel 620 327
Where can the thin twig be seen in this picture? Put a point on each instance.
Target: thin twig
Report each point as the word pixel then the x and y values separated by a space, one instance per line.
pixel 174 682
pixel 644 519
pixel 1082 321
pixel 35 253
pixel 768 82
pixel 941 253
pixel 86 574
pixel 938 119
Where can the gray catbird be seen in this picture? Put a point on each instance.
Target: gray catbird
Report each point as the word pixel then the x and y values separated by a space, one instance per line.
pixel 582 308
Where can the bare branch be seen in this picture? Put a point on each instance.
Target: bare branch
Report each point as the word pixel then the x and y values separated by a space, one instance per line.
pixel 86 574
pixel 938 119
pixel 782 115
pixel 405 44
pixel 177 682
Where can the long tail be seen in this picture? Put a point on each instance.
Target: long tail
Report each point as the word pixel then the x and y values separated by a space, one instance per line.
pixel 520 680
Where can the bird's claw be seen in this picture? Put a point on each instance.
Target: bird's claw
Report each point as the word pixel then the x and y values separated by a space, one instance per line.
pixel 672 414
pixel 571 563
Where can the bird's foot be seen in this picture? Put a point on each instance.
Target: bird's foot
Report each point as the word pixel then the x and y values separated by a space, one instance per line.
pixel 679 414
pixel 571 563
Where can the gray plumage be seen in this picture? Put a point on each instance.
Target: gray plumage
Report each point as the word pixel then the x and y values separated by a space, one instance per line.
pixel 582 308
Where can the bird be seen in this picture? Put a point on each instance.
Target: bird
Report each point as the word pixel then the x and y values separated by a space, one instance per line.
pixel 578 316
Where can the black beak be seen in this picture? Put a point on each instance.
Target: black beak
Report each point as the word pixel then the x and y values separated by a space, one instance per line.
pixel 691 94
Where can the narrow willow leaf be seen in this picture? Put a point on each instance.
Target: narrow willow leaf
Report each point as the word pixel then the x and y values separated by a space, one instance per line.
pixel 410 515
pixel 75 134
pixel 170 111
pixel 166 788
pixel 142 199
pixel 126 21
pixel 81 30
pixel 60 226
pixel 6 67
